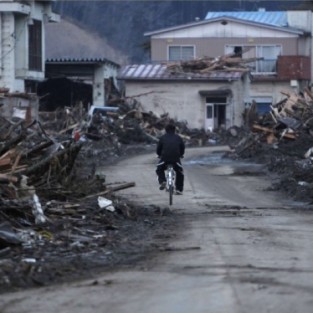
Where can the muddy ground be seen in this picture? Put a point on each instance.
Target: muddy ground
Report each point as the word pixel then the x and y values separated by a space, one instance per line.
pixel 125 240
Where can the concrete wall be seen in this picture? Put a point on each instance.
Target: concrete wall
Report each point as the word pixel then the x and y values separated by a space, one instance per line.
pixel 273 89
pixel 98 86
pixel 300 19
pixel 236 107
pixel 14 43
pixel 7 78
pixel 21 108
pixel 183 102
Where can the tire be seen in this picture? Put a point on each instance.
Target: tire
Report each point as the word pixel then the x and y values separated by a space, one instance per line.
pixel 170 192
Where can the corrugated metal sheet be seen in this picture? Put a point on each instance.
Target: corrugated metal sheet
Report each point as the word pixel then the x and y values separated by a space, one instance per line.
pixel 80 60
pixel 274 18
pixel 160 72
pixel 259 18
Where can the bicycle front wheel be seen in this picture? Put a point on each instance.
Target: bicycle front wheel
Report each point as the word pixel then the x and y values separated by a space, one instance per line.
pixel 171 192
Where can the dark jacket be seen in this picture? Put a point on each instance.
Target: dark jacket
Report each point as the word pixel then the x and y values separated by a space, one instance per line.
pixel 170 147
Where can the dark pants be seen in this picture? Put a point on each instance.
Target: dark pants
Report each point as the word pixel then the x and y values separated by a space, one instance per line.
pixel 160 171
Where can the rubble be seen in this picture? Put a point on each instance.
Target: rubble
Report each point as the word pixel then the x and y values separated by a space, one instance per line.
pixel 48 216
pixel 49 221
pixel 129 125
pixel 282 139
pixel 228 62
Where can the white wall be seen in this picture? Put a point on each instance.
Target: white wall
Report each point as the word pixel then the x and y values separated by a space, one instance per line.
pixel 14 46
pixel 7 51
pixel 182 100
pixel 98 86
pixel 273 89
pixel 300 19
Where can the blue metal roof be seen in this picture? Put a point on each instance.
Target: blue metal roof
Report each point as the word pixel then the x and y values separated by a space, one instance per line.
pixel 274 18
pixel 160 72
pixel 269 19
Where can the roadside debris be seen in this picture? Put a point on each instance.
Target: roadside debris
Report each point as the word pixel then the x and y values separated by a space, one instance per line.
pixel 105 204
pixel 57 215
pixel 282 139
pixel 54 205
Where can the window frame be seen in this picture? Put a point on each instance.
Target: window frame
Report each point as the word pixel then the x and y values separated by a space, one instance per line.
pixel 262 103
pixel 35 46
pixel 258 52
pixel 181 54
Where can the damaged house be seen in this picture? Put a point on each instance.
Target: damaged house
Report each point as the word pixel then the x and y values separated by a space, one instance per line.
pixel 201 99
pixel 22 54
pixel 81 68
pixel 276 49
pixel 71 81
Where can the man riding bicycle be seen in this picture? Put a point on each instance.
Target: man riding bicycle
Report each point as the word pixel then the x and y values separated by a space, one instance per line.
pixel 170 149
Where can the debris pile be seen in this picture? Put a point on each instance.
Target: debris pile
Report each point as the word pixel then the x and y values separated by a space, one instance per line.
pixel 132 125
pixel 30 159
pixel 229 62
pixel 77 239
pixel 47 216
pixel 282 138
pixel 52 225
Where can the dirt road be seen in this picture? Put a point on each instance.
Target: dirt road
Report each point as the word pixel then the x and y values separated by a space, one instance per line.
pixel 243 249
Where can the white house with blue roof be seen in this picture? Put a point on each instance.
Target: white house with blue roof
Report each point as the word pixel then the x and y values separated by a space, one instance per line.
pixel 280 42
pixel 257 34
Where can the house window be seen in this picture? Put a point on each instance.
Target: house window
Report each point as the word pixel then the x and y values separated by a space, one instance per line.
pixel 209 111
pixel 269 54
pixel 35 46
pixel 238 51
pixel 176 53
pixel 263 104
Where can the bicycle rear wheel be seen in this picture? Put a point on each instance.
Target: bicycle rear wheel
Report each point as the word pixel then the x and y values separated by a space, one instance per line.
pixel 171 192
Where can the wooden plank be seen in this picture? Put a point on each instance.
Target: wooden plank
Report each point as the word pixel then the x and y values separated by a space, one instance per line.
pixel 271 131
pixel 5 162
pixel 262 128
pixel 8 178
pixel 107 191
pixel 308 92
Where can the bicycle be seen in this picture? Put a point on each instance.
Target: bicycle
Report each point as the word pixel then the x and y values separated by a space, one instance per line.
pixel 170 182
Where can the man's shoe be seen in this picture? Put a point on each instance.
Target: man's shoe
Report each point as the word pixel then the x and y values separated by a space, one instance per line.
pixel 162 186
pixel 178 192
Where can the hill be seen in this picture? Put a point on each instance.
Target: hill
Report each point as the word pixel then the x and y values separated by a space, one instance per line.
pixel 123 23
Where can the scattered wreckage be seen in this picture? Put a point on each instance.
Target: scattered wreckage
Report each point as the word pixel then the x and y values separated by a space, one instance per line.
pixel 45 210
pixel 228 62
pixel 282 139
pixel 44 206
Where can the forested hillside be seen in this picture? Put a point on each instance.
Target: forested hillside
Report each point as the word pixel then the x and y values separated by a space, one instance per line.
pixel 123 23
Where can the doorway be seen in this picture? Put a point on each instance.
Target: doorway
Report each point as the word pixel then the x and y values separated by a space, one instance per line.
pixel 215 112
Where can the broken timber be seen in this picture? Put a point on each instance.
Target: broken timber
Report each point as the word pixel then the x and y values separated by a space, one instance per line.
pixel 272 132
